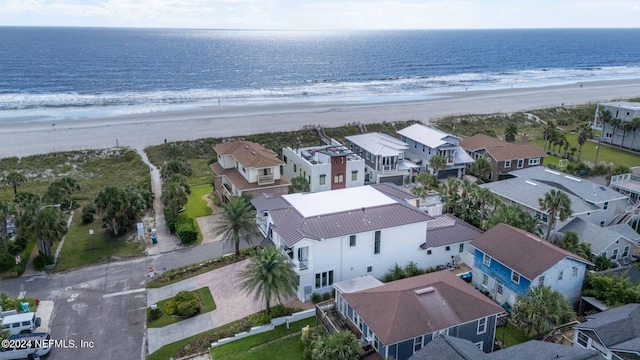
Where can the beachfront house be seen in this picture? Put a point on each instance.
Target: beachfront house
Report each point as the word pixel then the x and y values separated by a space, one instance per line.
pixel 589 201
pixel 509 261
pixel 622 125
pixel 326 167
pixel 244 167
pixel 445 347
pixel 424 142
pixel 503 156
pixel 616 242
pixel 400 317
pixel 384 157
pixel 614 333
pixel 342 234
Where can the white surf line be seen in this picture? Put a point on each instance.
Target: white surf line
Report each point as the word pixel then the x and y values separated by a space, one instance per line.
pixel 126 292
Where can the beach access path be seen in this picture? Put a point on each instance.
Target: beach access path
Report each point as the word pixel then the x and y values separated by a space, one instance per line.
pixel 23 136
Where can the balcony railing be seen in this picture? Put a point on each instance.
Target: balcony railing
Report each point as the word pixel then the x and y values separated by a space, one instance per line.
pixel 265 179
pixel 304 264
pixel 332 320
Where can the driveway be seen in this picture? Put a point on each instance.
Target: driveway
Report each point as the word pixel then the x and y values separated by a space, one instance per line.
pixel 231 305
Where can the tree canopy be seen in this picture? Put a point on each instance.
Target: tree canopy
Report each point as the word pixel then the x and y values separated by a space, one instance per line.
pixel 556 204
pixel 540 310
pixel 299 185
pixel 119 206
pixel 237 221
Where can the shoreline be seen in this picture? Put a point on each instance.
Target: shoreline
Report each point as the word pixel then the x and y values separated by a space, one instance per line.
pixel 146 129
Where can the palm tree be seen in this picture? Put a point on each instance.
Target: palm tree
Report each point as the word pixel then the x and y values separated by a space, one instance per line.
pixel 238 220
pixel 269 276
pixel 626 126
pixel 510 132
pixel 15 179
pixel 49 226
pixel 450 190
pixel 486 199
pixel 299 185
pixel 481 168
pixel 177 166
pixel 570 242
pixel 584 134
pixel 540 310
pixel 615 124
pixel 514 215
pixel 635 124
pixel 7 209
pixel 555 203
pixel 549 129
pixel 437 163
pixel 341 345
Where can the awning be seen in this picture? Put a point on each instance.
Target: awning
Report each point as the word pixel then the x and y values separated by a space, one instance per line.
pixel 595 303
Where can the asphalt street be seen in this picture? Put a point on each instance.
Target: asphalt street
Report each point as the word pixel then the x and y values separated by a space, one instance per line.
pixel 102 308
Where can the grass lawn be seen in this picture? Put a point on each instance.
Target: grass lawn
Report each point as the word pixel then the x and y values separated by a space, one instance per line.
pixel 206 300
pixel 606 153
pixel 81 249
pixel 196 207
pixel 510 335
pixel 252 347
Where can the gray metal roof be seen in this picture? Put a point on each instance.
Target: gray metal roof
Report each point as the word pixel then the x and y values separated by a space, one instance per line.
pixel 394 191
pixel 293 227
pixel 598 237
pixel 379 144
pixel 429 136
pixel 447 229
pixel 446 347
pixel 587 190
pixel 527 192
pixel 626 231
pixel 618 328
pixel 266 202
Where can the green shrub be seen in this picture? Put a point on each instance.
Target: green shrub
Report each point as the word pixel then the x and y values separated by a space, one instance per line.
pixel 280 310
pixel 188 308
pixel 170 307
pixel 40 261
pixel 260 318
pixel 7 261
pixel 316 298
pixel 153 314
pixel 171 219
pixel 186 230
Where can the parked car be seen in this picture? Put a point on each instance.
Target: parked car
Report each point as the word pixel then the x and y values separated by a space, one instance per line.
pixel 20 323
pixel 26 346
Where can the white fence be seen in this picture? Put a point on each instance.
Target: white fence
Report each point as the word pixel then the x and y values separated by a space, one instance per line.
pixel 264 328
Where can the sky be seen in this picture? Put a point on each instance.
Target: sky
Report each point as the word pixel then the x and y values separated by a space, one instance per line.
pixel 323 14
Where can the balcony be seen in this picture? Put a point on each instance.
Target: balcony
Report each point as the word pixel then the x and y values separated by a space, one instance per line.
pixel 226 191
pixel 332 320
pixel 265 179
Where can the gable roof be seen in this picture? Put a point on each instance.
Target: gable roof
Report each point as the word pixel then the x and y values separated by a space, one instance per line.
pixel 502 150
pixel 249 154
pixel 396 312
pixel 394 191
pixel 379 143
pixel 600 238
pixel 618 328
pixel 521 251
pixel 446 347
pixel 429 136
pixel 447 229
pixel 335 213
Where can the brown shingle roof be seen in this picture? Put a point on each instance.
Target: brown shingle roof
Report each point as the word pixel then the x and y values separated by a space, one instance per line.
pixel 502 150
pixel 521 251
pixel 249 154
pixel 240 182
pixel 395 312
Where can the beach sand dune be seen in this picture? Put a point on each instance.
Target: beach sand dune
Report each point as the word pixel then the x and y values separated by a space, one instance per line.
pixel 19 137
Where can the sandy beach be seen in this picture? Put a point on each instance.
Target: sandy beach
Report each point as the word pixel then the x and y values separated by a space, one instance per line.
pixel 21 137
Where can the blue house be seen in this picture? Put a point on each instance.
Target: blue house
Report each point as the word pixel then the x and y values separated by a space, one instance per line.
pixel 509 261
pixel 400 317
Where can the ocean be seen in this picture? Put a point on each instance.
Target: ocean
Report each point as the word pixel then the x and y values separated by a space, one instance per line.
pixel 53 73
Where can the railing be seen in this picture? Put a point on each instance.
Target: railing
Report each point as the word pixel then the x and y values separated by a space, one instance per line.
pixel 226 191
pixel 265 179
pixel 332 320
pixel 303 264
pixel 262 225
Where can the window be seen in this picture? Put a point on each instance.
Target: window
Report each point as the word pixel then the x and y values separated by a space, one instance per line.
pixel 323 179
pixel 424 148
pixel 352 240
pixel 295 168
pixel 429 252
pixel 324 279
pixel 441 332
pixel 284 157
pixel 376 243
pixel 574 271
pixel 515 277
pixel 541 280
pixel 520 163
pixel 243 170
pixel 485 280
pixel 615 254
pixel 482 325
pixel 417 344
pixel 486 260
pixel 354 175
pixel 602 223
pixel 461 248
pixel 415 144
pixel 542 216
pixel 560 275
pixel 507 163
pixel 583 339
pixel 606 206
pixel 447 248
pixel 367 156
pixel 625 252
pixel 479 344
pixel 338 178
pixel 534 161
pixel 369 268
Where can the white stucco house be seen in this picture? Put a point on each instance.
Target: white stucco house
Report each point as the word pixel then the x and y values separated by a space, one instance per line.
pixel 623 131
pixel 342 234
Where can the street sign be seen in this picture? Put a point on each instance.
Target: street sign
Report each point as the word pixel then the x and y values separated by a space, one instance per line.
pixel 18 259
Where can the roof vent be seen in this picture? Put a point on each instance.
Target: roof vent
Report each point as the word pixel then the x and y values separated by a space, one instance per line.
pixel 425 290
pixel 253 152
pixel 531 183
pixel 246 146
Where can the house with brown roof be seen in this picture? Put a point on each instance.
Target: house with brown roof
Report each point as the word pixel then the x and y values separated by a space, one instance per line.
pixel 401 317
pixel 342 234
pixel 509 261
pixel 503 156
pixel 244 167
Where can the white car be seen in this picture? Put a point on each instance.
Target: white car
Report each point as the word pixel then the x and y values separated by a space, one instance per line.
pixel 25 346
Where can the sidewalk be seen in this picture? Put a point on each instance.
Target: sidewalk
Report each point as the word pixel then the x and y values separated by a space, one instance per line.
pixel 231 305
